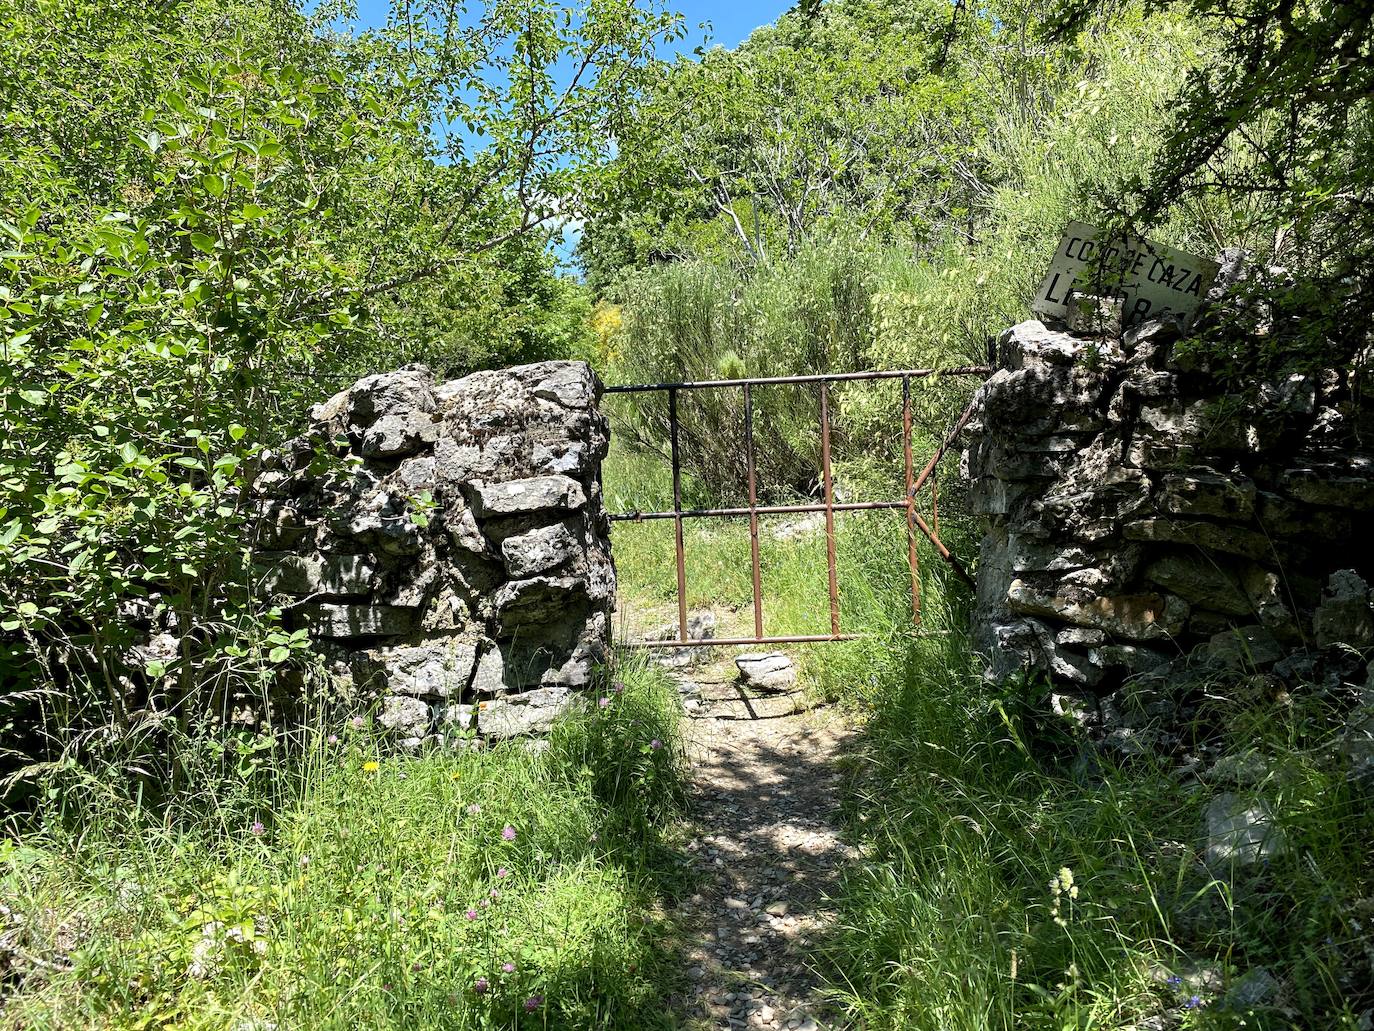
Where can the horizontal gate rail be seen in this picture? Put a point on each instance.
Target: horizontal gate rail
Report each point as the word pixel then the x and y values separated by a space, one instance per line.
pixel 829 506
pixel 829 377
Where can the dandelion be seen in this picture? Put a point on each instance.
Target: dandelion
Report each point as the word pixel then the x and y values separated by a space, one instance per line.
pixel 508 832
pixel 533 1003
pixel 508 967
pixel 471 914
pixel 502 872
pixel 481 985
pixel 454 775
pixel 371 766
pixel 258 829
pixel 655 744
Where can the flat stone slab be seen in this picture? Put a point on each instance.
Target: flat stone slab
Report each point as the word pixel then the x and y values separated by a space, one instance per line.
pixel 767 671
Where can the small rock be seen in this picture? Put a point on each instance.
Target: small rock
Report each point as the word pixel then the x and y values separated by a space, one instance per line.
pixel 766 671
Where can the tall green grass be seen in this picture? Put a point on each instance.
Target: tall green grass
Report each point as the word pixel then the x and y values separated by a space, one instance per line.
pixel 459 888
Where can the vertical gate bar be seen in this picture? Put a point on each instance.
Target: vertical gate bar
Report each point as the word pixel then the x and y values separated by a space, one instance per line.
pixel 935 503
pixel 912 559
pixel 677 518
pixel 753 506
pixel 829 487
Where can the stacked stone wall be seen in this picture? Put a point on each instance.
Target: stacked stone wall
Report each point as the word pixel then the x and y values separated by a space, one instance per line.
pixel 1146 518
pixel 446 544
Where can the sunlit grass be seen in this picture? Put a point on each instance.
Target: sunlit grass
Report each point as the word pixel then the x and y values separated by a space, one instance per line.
pixel 454 889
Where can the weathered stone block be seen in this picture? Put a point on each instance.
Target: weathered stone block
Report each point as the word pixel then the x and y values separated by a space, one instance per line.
pixel 766 671
pixel 343 621
pixel 1346 612
pixel 327 573
pixel 1241 833
pixel 532 494
pixel 404 717
pixel 1227 539
pixel 441 668
pixel 1338 481
pixel 517 715
pixel 1135 616
pixel 539 550
pixel 1206 492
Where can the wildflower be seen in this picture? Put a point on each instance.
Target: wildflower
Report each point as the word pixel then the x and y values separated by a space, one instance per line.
pixel 333 739
pixel 1174 982
pixel 305 861
pixel 619 688
pixel 502 872
pixel 533 1003
pixel 485 903
pixel 471 914
pixel 1194 1001
pixel 454 775
pixel 655 744
pixel 508 832
pixel 495 894
pixel 473 810
pixel 257 828
pixel 481 985
pixel 603 702
pixel 357 723
pixel 508 967
pixel 371 766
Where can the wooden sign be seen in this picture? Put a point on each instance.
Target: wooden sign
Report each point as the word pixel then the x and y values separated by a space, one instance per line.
pixel 1150 278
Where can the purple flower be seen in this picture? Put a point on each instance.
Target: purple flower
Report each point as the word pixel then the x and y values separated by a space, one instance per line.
pixel 502 872
pixel 357 722
pixel 1174 981
pixel 533 1003
pixel 495 894
pixel 1193 1002
pixel 508 967
pixel 655 744
pixel 619 688
pixel 257 828
pixel 333 739
pixel 471 914
pixel 508 832
pixel 603 702
pixel 481 985
pixel 386 986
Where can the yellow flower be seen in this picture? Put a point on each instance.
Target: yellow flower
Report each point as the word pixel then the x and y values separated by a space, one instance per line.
pixel 454 775
pixel 371 767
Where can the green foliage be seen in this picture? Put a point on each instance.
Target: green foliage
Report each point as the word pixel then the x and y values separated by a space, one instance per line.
pixel 373 890
pixel 211 215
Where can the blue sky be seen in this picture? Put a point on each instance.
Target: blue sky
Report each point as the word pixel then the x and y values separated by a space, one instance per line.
pixel 730 22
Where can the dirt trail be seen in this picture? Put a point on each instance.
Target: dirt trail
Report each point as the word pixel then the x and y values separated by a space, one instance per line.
pixel 765 794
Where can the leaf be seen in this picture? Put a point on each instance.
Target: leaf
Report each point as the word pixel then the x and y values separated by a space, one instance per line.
pixel 203 243
pixel 151 140
pixel 279 654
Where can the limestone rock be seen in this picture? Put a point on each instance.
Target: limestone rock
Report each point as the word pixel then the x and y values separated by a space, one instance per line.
pixel 532 712
pixel 437 669
pixel 766 671
pixel 540 550
pixel 1241 833
pixel 1137 617
pixel 404 717
pixel 327 574
pixel 1207 492
pixel 532 494
pixel 345 621
pixel 1346 612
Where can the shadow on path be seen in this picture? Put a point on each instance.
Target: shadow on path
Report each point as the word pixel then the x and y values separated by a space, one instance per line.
pixel 766 802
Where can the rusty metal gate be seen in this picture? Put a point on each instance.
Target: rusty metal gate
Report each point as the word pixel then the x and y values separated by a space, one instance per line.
pixel 914 484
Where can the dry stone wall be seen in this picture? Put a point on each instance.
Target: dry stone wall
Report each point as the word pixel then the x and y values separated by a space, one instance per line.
pixel 1149 525
pixel 447 546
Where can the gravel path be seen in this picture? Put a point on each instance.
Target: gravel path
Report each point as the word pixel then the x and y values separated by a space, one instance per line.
pixel 765 803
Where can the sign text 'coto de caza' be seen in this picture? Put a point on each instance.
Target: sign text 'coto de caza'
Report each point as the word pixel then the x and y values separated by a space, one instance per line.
pixel 1150 278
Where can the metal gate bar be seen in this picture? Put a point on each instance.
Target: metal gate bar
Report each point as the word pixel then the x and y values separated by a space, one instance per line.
pixel 829 506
